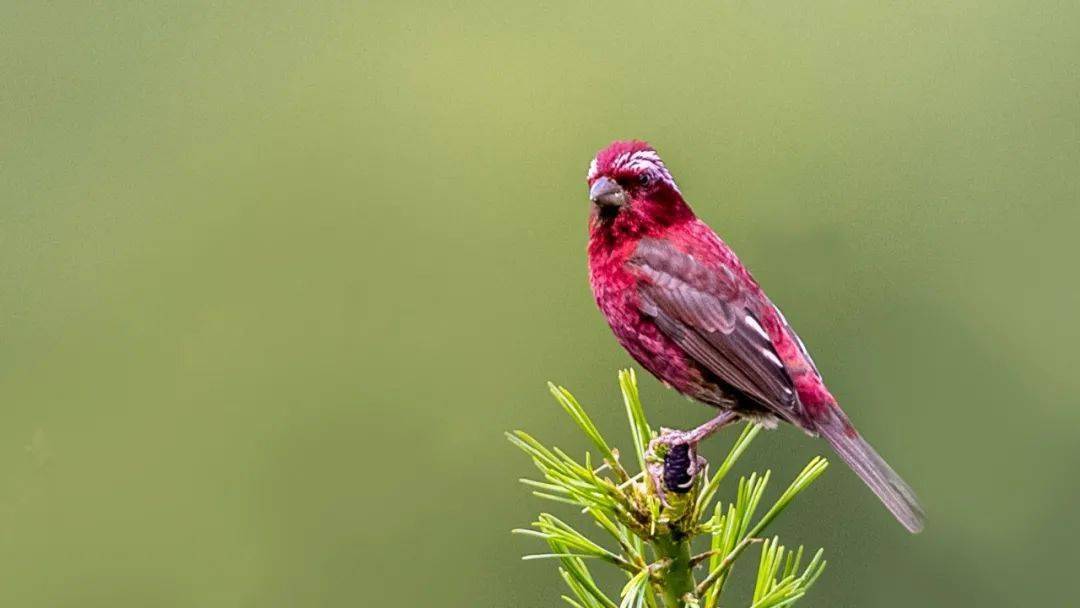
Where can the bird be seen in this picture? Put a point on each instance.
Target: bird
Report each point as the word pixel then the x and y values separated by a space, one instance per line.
pixel 687 310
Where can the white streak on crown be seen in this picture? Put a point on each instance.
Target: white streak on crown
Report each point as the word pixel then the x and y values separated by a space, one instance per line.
pixel 592 170
pixel 647 160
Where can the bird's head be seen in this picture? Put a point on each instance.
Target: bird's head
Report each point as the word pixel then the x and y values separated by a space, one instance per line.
pixel 631 189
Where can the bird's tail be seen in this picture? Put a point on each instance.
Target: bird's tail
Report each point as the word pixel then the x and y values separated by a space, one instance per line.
pixel 897 495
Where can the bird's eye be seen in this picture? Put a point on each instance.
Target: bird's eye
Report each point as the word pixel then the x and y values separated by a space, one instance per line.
pixel 644 179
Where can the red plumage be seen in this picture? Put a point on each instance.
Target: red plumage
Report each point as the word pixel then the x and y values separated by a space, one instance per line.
pixel 680 301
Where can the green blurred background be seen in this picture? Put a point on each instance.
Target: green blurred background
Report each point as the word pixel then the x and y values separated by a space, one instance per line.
pixel 277 276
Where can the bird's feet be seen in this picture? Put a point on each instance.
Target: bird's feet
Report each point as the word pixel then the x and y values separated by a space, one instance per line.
pixel 674 462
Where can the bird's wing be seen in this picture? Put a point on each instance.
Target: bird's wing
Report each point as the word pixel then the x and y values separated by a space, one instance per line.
pixel 705 311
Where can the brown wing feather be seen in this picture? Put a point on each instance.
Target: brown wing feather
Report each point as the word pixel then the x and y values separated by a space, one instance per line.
pixel 705 312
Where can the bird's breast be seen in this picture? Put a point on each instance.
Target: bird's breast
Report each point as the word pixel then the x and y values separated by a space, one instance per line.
pixel 615 288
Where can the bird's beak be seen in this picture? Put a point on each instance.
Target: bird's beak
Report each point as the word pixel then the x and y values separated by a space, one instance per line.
pixel 607 193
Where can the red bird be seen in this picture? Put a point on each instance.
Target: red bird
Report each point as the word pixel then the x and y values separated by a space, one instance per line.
pixel 687 310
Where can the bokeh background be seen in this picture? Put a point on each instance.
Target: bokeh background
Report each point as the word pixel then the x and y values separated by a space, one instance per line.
pixel 277 276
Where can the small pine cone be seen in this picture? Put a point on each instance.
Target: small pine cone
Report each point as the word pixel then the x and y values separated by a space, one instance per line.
pixel 677 469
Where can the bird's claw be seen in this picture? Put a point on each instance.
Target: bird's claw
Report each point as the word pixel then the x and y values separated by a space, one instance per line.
pixel 674 462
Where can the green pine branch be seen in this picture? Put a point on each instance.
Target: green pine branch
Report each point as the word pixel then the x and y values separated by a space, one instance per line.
pixel 649 533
